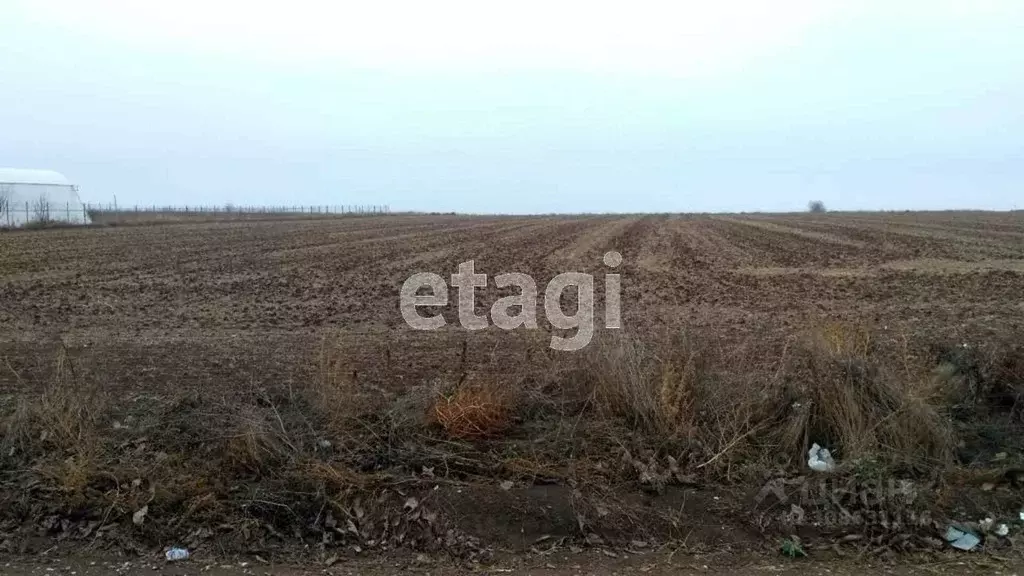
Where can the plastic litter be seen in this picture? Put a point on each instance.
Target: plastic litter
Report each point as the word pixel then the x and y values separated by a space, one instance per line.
pixel 819 459
pixel 986 524
pixel 962 539
pixel 791 547
pixel 1002 530
pixel 175 554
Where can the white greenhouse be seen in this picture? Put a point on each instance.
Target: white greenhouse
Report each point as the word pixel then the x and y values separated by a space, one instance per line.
pixel 28 196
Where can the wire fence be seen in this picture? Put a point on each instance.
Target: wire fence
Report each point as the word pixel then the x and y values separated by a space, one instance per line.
pixel 242 209
pixel 42 212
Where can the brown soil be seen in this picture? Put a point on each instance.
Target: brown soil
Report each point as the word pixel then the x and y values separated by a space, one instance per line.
pixel 558 563
pixel 204 312
pixel 243 280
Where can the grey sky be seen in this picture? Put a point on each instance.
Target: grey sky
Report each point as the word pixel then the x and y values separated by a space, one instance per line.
pixel 631 106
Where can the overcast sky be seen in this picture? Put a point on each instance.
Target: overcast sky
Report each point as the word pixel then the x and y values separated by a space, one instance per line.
pixel 527 106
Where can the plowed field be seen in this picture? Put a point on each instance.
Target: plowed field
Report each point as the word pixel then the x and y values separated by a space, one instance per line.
pixel 217 303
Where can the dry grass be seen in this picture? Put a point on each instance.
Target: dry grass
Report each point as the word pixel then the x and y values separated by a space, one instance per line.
pixel 476 409
pixel 681 405
pixel 654 391
pixel 987 379
pixel 843 394
pixel 742 405
pixel 55 433
pixel 184 458
pixel 256 443
pixel 60 418
pixel 680 395
pixel 984 386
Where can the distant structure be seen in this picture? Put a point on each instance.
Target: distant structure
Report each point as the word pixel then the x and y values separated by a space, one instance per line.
pixel 38 197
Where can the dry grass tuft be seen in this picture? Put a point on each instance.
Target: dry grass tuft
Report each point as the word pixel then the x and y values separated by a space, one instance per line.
pixel 476 409
pixel 985 389
pixel 983 381
pixel 55 431
pixel 62 417
pixel 255 444
pixel 336 389
pixel 728 404
pixel 656 392
pixel 336 380
pixel 842 394
pixel 624 380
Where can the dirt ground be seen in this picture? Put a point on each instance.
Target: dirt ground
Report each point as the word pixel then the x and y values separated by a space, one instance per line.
pixel 215 309
pixel 267 291
pixel 582 564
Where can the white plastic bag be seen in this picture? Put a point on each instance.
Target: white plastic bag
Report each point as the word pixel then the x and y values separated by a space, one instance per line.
pixel 820 460
pixel 175 554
